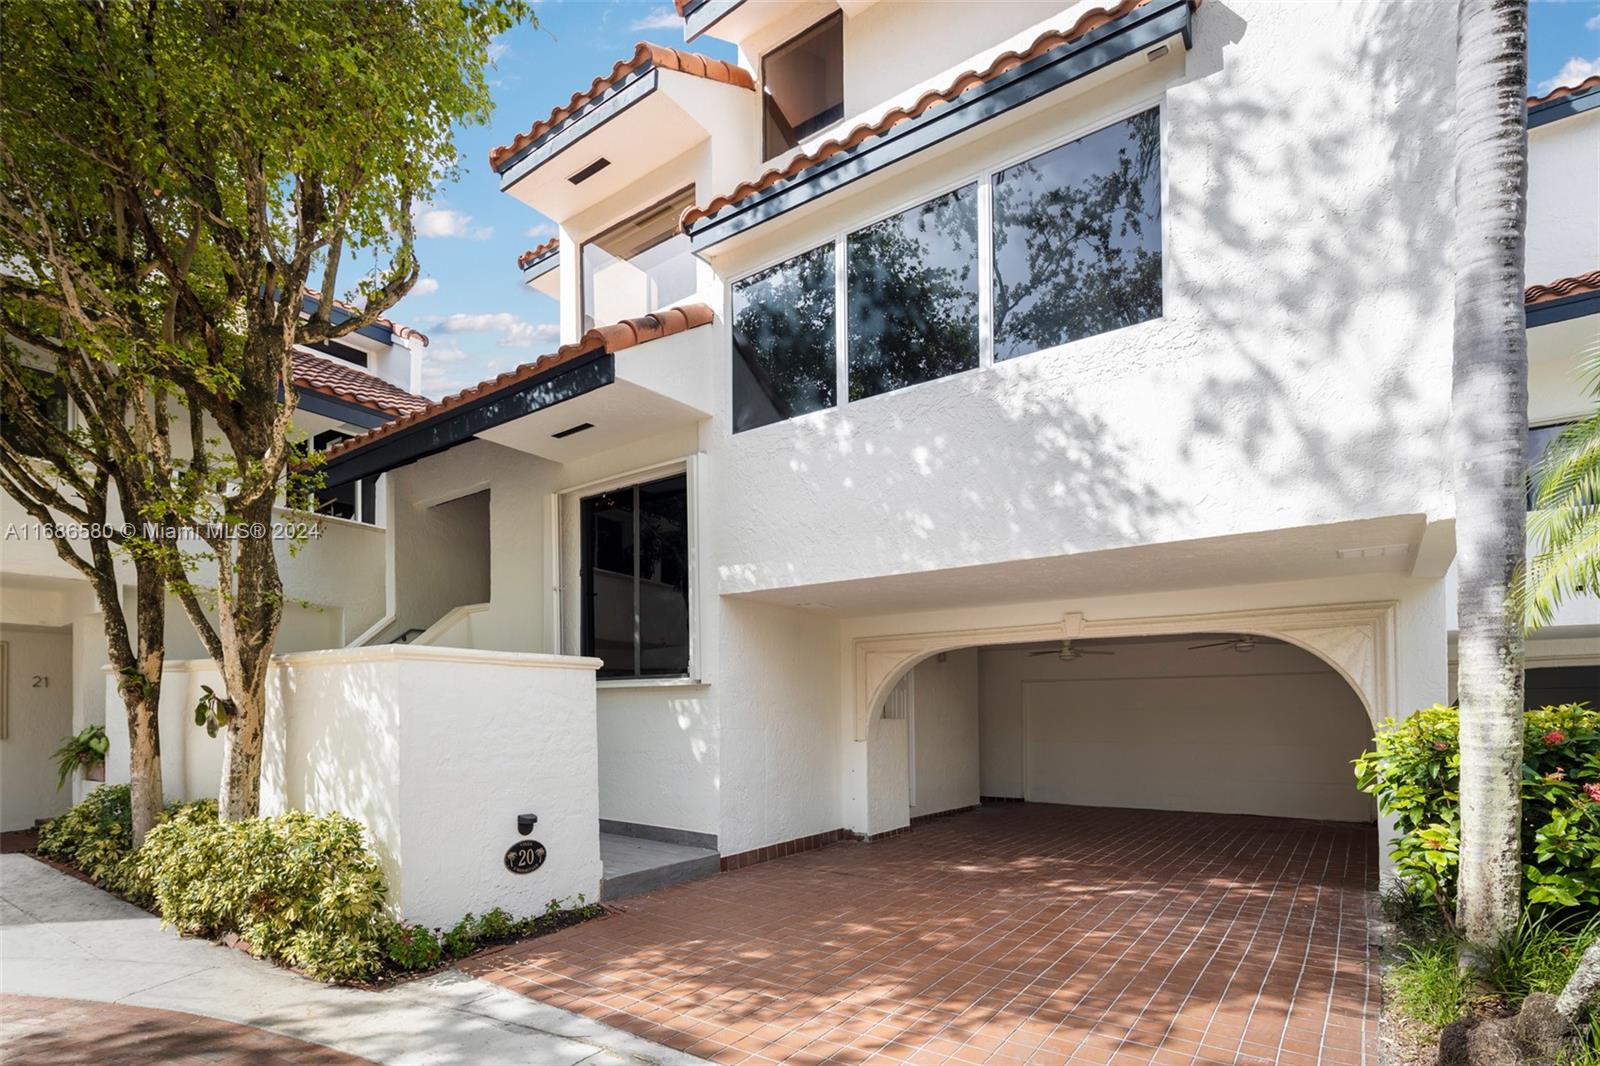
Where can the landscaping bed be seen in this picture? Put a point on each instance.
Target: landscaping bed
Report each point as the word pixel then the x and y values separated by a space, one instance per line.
pixel 299 889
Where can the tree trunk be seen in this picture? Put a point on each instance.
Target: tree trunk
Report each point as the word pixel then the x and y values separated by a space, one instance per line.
pixel 248 616
pixel 1489 429
pixel 142 697
pixel 1582 989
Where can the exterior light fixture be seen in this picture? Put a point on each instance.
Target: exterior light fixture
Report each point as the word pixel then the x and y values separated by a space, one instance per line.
pixel 526 822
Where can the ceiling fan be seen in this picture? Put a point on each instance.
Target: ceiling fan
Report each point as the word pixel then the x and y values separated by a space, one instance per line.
pixel 1066 653
pixel 1243 645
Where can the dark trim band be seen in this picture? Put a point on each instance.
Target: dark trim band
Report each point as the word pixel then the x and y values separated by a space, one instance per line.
pixel 617 98
pixel 342 410
pixel 461 424
pixel 1564 107
pixel 700 16
pixel 538 268
pixel 1136 31
pixel 1549 312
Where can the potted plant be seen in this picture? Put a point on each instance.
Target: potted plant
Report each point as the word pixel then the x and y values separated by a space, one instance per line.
pixel 87 748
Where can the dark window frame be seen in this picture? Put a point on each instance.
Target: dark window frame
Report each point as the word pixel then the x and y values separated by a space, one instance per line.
pixel 600 235
pixel 586 583
pixel 1561 425
pixel 822 121
pixel 984 177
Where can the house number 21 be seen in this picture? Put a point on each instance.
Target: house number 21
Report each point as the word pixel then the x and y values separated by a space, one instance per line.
pixel 41 681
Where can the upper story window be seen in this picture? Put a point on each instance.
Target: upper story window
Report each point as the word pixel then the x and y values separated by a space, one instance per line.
pixel 783 341
pixel 1077 239
pixel 354 500
pixel 1074 250
pixel 802 84
pixel 349 353
pixel 913 295
pixel 1540 440
pixel 635 579
pixel 641 264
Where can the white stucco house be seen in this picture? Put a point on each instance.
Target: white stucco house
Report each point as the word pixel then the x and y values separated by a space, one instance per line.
pixel 1042 401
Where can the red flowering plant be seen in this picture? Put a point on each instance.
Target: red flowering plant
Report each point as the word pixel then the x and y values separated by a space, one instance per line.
pixel 1414 771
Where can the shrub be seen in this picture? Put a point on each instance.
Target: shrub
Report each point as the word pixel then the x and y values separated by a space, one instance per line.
pixel 300 888
pixel 411 947
pixel 1415 771
pixel 95 836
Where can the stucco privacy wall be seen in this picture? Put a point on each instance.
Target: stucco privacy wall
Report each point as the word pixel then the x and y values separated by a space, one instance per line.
pixel 1286 396
pixel 39 718
pixel 385 736
pixel 944 733
pixel 1157 725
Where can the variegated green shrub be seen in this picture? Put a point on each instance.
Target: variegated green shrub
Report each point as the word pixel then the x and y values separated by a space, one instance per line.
pixel 300 888
pixel 1414 770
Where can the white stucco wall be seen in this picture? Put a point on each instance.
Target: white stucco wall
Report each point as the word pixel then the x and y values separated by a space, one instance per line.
pixel 1300 369
pixel 1563 214
pixel 39 719
pixel 435 751
pixel 945 733
pixel 1158 726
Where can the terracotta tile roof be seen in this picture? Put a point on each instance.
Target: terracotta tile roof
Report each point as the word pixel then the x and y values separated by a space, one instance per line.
pixel 393 327
pixel 663 58
pixel 534 253
pixel 346 381
pixel 614 338
pixel 1576 285
pixel 1591 82
pixel 1087 22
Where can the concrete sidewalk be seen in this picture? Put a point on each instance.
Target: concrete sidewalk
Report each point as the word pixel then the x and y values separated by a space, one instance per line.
pixel 60 937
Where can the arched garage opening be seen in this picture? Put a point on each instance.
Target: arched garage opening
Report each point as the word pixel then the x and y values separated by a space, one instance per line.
pixel 1206 722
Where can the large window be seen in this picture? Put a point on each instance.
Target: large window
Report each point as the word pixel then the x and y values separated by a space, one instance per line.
pixel 635 579
pixel 783 341
pixel 1540 440
pixel 640 265
pixel 913 295
pixel 802 84
pixel 1077 239
pixel 1059 247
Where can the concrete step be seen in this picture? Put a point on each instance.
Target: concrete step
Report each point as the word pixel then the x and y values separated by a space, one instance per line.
pixel 633 865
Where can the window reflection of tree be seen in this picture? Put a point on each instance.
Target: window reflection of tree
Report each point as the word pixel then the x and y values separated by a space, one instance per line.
pixel 1077 239
pixel 913 295
pixel 783 340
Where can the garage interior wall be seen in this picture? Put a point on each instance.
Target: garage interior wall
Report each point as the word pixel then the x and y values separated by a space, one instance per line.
pixel 944 733
pixel 1157 726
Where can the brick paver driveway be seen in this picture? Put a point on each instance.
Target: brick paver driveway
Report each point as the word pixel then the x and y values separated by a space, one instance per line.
pixel 1018 933
pixel 34 1029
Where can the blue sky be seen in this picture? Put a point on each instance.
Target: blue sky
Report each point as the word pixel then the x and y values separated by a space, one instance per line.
pixel 471 301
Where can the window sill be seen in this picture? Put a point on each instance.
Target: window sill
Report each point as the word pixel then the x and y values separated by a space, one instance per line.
pixel 652 682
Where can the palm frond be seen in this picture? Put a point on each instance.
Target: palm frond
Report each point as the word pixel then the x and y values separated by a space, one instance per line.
pixel 1564 525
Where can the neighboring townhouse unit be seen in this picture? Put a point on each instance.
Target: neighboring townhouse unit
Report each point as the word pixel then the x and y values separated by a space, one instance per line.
pixel 49 616
pixel 1037 401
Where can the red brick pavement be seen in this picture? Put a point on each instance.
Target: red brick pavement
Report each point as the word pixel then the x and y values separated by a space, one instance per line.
pixel 1018 933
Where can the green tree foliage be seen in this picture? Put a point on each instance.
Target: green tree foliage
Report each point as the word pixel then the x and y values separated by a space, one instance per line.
pixel 247 149
pixel 1414 770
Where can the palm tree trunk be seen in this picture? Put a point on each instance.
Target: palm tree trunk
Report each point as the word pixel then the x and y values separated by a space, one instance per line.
pixel 1489 430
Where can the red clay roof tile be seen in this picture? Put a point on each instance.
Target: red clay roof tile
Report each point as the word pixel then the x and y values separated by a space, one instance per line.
pixel 664 58
pixel 535 252
pixel 1088 21
pixel 1592 81
pixel 613 338
pixel 1556 290
pixel 345 381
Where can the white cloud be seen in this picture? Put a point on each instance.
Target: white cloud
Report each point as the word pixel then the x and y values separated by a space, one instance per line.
pixel 662 18
pixel 425 287
pixel 540 232
pixel 514 331
pixel 530 335
pixel 1593 23
pixel 1577 68
pixel 445 222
